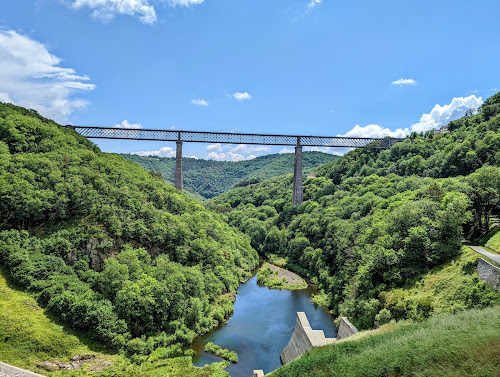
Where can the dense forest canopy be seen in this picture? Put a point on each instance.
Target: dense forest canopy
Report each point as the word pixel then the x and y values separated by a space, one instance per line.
pixel 376 220
pixel 105 245
pixel 210 178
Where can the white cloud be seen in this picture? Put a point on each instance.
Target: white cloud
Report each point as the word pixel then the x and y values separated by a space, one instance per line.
pixel 310 6
pixel 229 156
pixel 184 3
pixel 162 152
pixel 439 116
pixel 199 102
pixel 127 124
pixel 314 3
pixel 4 97
pixel 251 157
pixel 244 148
pixel 213 147
pixel 241 96
pixel 374 130
pixel 105 10
pixel 30 77
pixel 403 82
pixel 442 115
pixel 334 151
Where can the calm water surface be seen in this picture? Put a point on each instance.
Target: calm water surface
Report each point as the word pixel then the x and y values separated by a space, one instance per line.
pixel 261 326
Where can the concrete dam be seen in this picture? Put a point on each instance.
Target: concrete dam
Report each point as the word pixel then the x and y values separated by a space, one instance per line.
pixel 304 338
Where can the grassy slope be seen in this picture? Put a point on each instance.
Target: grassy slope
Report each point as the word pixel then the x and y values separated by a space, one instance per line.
pixel 491 241
pixel 29 334
pixel 463 344
pixel 210 178
pixel 447 288
pixel 430 348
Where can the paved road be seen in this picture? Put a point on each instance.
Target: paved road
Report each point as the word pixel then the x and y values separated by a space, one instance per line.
pixel 494 257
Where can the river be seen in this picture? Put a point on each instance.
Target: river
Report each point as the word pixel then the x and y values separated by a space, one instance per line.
pixel 261 326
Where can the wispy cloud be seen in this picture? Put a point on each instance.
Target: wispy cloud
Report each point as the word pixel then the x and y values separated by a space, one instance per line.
pixel 106 10
pixel 199 102
pixel 404 82
pixel 30 76
pixel 184 3
pixel 128 125
pixel 309 7
pixel 314 3
pixel 240 96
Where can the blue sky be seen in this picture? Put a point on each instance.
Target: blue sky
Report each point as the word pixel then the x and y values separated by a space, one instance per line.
pixel 361 68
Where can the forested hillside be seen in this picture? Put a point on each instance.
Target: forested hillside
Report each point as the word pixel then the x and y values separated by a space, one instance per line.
pixel 106 246
pixel 210 178
pixel 374 221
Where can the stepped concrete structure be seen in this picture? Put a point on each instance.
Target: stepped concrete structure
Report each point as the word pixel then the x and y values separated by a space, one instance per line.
pixel 303 339
pixel 237 138
pixel 346 329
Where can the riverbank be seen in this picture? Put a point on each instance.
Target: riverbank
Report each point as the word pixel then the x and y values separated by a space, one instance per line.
pixel 276 277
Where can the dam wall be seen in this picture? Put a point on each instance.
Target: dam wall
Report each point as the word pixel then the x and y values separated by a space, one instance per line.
pixel 303 339
pixel 489 273
pixel 346 329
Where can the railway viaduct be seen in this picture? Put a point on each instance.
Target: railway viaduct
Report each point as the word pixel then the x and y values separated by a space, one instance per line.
pixel 180 137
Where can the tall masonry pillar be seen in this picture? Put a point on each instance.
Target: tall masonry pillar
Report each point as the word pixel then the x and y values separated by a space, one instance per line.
pixel 298 194
pixel 178 166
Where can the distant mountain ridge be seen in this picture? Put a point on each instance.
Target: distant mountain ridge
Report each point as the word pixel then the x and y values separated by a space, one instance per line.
pixel 210 178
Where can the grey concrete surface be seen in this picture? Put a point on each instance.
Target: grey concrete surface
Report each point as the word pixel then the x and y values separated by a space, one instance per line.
pixel 7 370
pixel 494 257
pixel 303 339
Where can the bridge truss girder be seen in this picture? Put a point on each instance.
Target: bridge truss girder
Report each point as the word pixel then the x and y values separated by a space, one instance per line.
pixel 234 138
pixel 179 137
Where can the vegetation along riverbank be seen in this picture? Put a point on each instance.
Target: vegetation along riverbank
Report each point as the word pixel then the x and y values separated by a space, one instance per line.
pixel 134 269
pixel 277 277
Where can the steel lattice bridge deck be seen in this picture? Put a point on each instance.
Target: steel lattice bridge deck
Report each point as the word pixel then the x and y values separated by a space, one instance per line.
pixel 237 138
pixel 233 138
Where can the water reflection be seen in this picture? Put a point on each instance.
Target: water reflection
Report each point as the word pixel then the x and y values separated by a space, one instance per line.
pixel 261 326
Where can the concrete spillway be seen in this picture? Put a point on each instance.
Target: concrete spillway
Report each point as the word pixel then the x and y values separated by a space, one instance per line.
pixel 303 339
